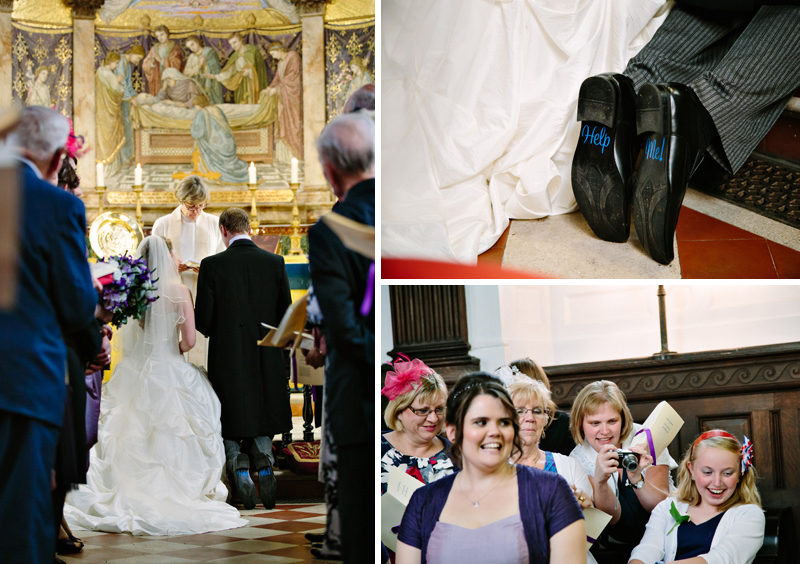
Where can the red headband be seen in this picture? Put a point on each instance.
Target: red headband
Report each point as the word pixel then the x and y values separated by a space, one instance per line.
pixel 710 434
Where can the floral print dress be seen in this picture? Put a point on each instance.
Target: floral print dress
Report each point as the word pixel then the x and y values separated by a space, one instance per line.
pixel 426 470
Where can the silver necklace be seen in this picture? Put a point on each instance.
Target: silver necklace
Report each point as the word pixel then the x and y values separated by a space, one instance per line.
pixel 476 503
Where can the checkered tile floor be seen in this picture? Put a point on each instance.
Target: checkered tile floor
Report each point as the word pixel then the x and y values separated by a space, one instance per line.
pixel 273 536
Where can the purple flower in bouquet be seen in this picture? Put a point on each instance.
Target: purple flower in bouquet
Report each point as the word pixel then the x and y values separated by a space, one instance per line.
pixel 129 290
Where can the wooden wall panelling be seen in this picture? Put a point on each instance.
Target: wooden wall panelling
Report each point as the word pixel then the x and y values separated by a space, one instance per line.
pixel 430 323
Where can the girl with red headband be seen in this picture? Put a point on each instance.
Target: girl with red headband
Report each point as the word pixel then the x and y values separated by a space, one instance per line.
pixel 715 516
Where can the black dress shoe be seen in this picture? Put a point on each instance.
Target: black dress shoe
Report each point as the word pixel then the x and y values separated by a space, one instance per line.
pixel 267 484
pixel 325 555
pixel 604 158
pixel 677 131
pixel 315 537
pixel 244 484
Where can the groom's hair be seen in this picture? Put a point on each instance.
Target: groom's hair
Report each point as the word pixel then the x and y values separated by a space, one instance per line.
pixel 235 220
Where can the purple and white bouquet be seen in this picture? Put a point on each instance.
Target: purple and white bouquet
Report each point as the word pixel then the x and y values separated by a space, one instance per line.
pixel 129 290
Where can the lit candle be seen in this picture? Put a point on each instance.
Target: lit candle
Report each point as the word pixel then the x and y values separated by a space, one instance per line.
pixel 101 179
pixel 252 170
pixel 138 175
pixel 294 171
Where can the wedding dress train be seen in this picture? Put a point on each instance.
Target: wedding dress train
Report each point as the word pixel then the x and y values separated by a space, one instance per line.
pixel 157 465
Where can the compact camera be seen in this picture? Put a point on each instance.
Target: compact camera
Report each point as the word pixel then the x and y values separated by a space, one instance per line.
pixel 628 459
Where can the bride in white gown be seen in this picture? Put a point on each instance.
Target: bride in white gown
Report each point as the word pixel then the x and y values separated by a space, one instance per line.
pixel 156 467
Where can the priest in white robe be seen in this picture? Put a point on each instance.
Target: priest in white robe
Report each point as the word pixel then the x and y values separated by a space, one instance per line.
pixel 195 235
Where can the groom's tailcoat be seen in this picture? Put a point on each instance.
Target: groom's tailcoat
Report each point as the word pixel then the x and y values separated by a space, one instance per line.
pixel 237 290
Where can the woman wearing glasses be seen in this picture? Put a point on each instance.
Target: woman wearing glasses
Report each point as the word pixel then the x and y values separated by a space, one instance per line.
pixel 534 407
pixel 415 413
pixel 195 235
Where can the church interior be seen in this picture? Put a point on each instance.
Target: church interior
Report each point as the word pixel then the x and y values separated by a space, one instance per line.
pixel 723 356
pixel 237 93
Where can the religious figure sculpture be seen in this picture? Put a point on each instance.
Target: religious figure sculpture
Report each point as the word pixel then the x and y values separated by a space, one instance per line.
pixel 361 76
pixel 163 55
pixel 178 89
pixel 132 57
pixel 215 147
pixel 38 89
pixel 201 61
pixel 245 72
pixel 288 87
pixel 110 136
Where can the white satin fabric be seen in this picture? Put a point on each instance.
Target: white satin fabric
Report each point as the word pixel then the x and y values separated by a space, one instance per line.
pixel 478 112
pixel 157 465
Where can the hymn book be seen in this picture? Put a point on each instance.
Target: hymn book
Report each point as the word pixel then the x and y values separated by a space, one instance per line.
pixel 393 504
pixel 355 236
pixel 595 521
pixel 290 328
pixel 664 424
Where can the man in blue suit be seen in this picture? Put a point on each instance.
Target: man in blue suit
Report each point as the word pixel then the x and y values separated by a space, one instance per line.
pixel 340 278
pixel 54 294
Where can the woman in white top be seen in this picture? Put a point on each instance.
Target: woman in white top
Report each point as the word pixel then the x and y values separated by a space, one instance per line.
pixel 535 407
pixel 601 424
pixel 715 516
pixel 195 235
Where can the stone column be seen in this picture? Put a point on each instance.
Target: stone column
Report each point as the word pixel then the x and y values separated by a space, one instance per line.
pixel 83 103
pixel 5 53
pixel 315 189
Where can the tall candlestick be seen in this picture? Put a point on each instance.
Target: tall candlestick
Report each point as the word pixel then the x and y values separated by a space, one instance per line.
pixel 294 171
pixel 101 179
pixel 138 175
pixel 252 171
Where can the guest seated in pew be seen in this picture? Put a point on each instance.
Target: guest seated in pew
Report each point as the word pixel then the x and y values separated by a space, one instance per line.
pixel 601 424
pixel 558 437
pixel 492 510
pixel 416 414
pixel 534 408
pixel 715 515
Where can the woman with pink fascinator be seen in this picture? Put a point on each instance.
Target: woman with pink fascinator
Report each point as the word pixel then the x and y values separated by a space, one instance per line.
pixel 417 397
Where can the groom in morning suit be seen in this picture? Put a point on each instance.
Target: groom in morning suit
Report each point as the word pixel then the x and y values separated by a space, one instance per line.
pixel 237 290
pixel 54 294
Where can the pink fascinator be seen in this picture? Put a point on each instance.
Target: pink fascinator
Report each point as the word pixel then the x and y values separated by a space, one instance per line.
pixel 406 376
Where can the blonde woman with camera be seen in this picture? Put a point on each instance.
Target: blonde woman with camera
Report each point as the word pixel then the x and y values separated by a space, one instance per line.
pixel 625 487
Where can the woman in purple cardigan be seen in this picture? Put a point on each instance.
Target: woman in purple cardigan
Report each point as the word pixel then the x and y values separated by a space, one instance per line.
pixel 490 511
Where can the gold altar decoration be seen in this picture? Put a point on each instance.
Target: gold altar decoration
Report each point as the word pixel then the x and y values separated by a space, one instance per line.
pixel 280 195
pixel 295 248
pixel 100 190
pixel 114 234
pixel 253 207
pixel 211 175
pixel 137 190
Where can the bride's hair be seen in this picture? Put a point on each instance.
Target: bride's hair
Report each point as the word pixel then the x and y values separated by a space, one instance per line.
pixel 144 252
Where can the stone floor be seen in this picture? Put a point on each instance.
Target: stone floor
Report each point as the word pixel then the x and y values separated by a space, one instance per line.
pixel 714 239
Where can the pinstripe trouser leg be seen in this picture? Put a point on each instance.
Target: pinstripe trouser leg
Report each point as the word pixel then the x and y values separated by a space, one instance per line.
pixel 743 69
